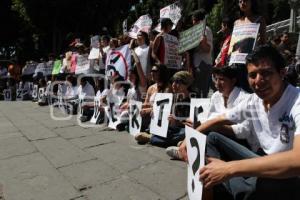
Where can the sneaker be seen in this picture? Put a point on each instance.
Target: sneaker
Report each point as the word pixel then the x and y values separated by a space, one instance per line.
pixel 174 153
pixel 142 138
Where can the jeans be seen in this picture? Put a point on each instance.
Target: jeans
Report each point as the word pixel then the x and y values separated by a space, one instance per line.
pixel 174 135
pixel 246 188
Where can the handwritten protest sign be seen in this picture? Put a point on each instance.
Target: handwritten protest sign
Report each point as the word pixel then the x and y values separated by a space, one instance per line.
pixel 96 115
pixel 95 41
pixel 161 110
pixel 190 38
pixel 19 94
pixel 144 23
pixel 135 118
pixel 83 64
pixel 195 143
pixel 242 42
pixel 199 110
pixel 172 12
pixel 172 58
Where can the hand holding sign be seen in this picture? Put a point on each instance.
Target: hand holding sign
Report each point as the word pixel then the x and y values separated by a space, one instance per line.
pixel 195 142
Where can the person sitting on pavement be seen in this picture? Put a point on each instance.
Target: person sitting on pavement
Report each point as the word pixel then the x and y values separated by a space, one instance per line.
pixel 182 81
pixel 228 96
pixel 86 89
pixel 273 112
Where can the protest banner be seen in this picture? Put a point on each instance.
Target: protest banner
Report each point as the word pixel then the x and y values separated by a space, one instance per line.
pixel 135 118
pixel 83 64
pixel 242 42
pixel 56 67
pixel 7 93
pixel 29 68
pixel 144 23
pixel 172 12
pixel 172 58
pixel 118 60
pixel 195 144
pixel 190 38
pixel 95 41
pixel 161 110
pixel 199 110
pixel 44 68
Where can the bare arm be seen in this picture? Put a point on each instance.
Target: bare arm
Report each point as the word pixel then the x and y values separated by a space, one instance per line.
pixel 139 69
pixel 279 165
pixel 156 44
pixel 213 124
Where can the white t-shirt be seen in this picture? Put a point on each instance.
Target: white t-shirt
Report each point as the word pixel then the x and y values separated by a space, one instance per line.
pixel 142 53
pixel 241 130
pixel 276 128
pixel 87 90
pixel 199 55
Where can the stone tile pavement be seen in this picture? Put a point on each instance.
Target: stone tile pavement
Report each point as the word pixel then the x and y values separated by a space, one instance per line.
pixel 44 159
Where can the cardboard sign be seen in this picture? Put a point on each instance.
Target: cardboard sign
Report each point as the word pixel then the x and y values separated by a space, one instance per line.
pixel 113 113
pixel 199 110
pixel 96 115
pixel 35 91
pixel 173 12
pixel 81 104
pixel 144 23
pixel 172 58
pixel 41 94
pixel 195 143
pixel 242 42
pixel 7 95
pixel 161 110
pixel 83 64
pixel 135 118
pixel 190 38
pixel 19 94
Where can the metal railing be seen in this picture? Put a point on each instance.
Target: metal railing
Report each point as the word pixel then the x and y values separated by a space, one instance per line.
pixel 280 26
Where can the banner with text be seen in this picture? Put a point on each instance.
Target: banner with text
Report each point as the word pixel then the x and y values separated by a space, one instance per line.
pixel 144 23
pixel 172 58
pixel 173 12
pixel 242 42
pixel 190 38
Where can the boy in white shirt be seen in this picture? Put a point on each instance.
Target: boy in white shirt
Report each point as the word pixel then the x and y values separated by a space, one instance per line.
pixel 274 112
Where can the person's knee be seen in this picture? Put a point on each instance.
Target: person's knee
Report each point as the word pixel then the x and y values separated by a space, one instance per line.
pixel 212 138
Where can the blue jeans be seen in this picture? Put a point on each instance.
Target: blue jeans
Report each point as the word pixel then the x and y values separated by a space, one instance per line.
pixel 174 135
pixel 246 188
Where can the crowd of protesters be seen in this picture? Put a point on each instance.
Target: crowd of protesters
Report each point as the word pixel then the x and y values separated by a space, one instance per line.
pixel 252 157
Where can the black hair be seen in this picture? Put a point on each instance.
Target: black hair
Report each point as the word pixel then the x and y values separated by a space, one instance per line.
pixel 146 37
pixel 135 72
pixel 105 37
pixel 199 14
pixel 163 76
pixel 254 8
pixel 266 52
pixel 228 22
pixel 226 71
pixel 165 22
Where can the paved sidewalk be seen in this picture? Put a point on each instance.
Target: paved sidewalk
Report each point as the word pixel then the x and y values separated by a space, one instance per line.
pixel 43 159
